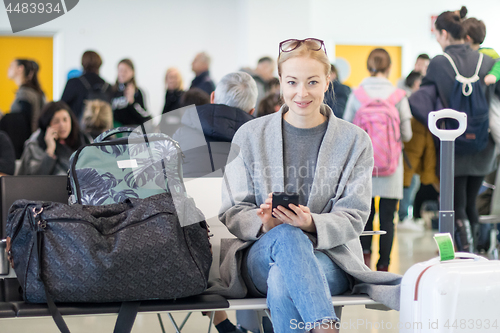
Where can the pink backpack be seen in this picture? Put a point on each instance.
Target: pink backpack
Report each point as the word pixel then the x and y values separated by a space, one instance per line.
pixel 380 119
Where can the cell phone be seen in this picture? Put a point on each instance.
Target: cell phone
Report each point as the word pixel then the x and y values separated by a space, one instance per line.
pixel 284 199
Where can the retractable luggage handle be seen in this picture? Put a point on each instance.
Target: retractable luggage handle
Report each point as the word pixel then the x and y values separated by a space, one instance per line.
pixel 447 170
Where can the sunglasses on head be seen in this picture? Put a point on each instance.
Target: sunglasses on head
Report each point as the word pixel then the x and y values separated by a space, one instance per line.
pixel 311 43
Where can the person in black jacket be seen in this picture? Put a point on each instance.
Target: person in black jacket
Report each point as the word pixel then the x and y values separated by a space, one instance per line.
pixel 200 66
pixel 77 89
pixel 173 82
pixel 337 94
pixel 206 148
pixel 128 100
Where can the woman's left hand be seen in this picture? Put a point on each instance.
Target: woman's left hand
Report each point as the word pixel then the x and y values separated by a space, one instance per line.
pixel 301 219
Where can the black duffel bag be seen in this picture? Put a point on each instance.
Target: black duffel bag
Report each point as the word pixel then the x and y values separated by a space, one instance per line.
pixel 130 251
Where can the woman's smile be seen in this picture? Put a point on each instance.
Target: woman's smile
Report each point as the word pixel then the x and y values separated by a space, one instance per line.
pixel 302 104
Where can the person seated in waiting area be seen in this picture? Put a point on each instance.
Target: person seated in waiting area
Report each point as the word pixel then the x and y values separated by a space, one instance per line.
pixel 97 118
pixel 194 96
pixel 231 105
pixel 7 155
pixel 173 82
pixel 301 255
pixel 48 150
pixel 271 103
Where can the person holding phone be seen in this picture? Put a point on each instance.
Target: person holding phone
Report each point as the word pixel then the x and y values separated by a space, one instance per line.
pixel 128 100
pixel 310 250
pixel 48 150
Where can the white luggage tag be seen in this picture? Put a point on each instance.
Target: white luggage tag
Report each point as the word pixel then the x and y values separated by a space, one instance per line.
pixel 445 246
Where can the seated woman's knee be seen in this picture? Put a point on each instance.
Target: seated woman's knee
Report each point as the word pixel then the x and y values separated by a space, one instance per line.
pixel 285 233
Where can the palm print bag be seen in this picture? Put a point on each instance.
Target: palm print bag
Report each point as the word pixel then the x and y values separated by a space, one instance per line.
pixel 137 166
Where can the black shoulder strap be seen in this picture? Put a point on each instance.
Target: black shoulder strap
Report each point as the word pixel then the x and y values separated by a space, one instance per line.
pixel 85 83
pixel 104 87
pixel 54 311
pixel 126 317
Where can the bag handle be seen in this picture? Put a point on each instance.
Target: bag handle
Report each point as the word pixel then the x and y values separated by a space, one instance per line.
pixel 124 129
pixel 466 81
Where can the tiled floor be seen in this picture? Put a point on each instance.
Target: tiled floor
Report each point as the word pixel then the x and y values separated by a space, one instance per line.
pixel 409 248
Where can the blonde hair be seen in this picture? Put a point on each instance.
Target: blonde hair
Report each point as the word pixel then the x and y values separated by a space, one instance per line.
pixel 97 117
pixel 304 51
pixel 172 70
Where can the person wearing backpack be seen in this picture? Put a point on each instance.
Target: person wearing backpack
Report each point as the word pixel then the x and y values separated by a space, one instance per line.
pixel 89 86
pixel 384 113
pixel 474 150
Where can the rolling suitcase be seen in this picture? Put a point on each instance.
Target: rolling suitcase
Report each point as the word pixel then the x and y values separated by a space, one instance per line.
pixel 459 295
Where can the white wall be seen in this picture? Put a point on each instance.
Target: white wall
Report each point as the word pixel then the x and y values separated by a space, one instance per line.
pixel 157 34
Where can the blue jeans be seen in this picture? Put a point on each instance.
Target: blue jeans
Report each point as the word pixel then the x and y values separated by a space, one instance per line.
pixel 408 197
pixel 297 280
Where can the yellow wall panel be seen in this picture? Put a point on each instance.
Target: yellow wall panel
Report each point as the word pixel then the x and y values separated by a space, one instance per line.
pixel 356 56
pixel 39 49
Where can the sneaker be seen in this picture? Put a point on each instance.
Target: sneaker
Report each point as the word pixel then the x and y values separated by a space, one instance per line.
pixel 410 224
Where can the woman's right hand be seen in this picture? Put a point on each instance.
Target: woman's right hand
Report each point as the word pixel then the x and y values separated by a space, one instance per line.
pixel 50 141
pixel 264 212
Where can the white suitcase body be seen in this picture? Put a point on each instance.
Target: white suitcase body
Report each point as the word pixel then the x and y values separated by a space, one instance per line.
pixel 460 295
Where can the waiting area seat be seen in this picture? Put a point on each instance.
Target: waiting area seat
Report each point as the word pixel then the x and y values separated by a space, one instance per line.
pixel 53 188
pixel 7 310
pixel 194 303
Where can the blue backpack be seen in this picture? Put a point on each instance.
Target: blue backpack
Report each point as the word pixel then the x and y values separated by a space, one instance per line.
pixel 468 96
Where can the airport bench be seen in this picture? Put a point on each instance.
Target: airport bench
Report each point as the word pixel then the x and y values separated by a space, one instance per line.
pixel 37 188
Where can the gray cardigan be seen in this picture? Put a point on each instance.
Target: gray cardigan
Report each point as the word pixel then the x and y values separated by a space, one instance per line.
pixel 340 212
pixel 390 187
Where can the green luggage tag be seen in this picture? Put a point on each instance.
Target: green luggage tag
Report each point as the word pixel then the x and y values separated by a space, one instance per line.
pixel 445 245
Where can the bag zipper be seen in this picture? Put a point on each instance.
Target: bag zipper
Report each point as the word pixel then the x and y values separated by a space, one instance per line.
pixel 62 220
